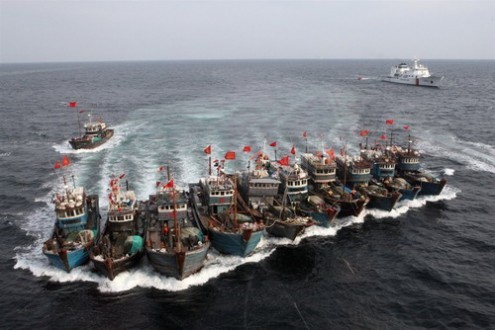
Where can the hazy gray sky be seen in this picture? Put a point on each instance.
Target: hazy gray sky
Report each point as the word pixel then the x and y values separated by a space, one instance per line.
pixel 70 30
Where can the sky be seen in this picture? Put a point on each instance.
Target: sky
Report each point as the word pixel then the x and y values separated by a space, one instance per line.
pixel 104 30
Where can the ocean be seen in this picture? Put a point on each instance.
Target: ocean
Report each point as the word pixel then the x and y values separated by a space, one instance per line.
pixel 427 264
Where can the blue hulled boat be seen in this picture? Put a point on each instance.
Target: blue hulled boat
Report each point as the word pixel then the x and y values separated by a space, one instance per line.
pixel 77 223
pixel 322 213
pixel 409 168
pixel 215 203
pixel 382 195
pixel 175 244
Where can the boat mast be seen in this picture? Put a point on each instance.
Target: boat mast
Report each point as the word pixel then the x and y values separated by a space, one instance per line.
pixel 174 214
pixel 235 201
pixel 409 143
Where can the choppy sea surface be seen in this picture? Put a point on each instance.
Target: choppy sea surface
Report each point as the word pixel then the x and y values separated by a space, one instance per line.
pixel 428 264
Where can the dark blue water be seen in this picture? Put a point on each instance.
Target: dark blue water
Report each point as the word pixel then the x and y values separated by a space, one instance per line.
pixel 427 264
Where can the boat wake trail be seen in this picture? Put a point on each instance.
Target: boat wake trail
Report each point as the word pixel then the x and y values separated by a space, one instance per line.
pixel 474 155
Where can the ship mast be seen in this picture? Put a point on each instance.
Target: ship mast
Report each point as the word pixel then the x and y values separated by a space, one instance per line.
pixel 177 242
pixel 235 201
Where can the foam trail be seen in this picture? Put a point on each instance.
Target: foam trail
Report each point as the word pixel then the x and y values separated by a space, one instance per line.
pixel 474 155
pixel 162 136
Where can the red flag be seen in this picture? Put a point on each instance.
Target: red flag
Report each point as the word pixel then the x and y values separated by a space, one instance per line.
pixel 207 150
pixel 389 122
pixel 293 150
pixel 65 161
pixel 247 149
pixel 406 127
pixel 383 137
pixel 169 184
pixel 305 134
pixel 72 104
pixel 122 176
pixel 230 155
pixel 364 132
pixel 284 161
pixel 161 168
pixel 273 144
pixel 57 165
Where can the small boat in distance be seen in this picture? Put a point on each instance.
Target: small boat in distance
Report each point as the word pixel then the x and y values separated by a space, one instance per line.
pixel 77 225
pixel 415 74
pixel 95 132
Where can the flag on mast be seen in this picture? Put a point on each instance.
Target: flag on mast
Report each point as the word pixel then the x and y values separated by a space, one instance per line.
pixel 207 150
pixel 293 150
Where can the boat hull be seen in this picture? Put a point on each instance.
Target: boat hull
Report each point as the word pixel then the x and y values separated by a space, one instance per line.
pixel 178 264
pixel 432 188
pixel 321 217
pixel 409 194
pixel 281 228
pixel 432 81
pixel 80 143
pixel 235 244
pixel 69 259
pixel 429 185
pixel 385 203
pixel 351 208
pixel 110 267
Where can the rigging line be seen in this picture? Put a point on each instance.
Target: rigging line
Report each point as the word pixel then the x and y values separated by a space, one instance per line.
pixel 349 266
pixel 302 318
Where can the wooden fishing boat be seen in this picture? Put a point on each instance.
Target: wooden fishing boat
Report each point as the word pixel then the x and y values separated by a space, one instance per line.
pixel 215 203
pixel 121 245
pixel 77 225
pixel 95 132
pixel 175 245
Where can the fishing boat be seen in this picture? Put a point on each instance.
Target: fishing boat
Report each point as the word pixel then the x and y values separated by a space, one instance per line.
pixel 293 178
pixel 382 196
pixel 321 212
pixel 353 170
pixel 95 134
pixel 281 219
pixel 121 245
pixel 259 196
pixel 214 200
pixel 77 223
pixel 383 171
pixel 415 74
pixel 321 169
pixel 350 172
pixel 409 168
pixel 258 187
pixel 281 222
pixel 350 201
pixel 175 245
